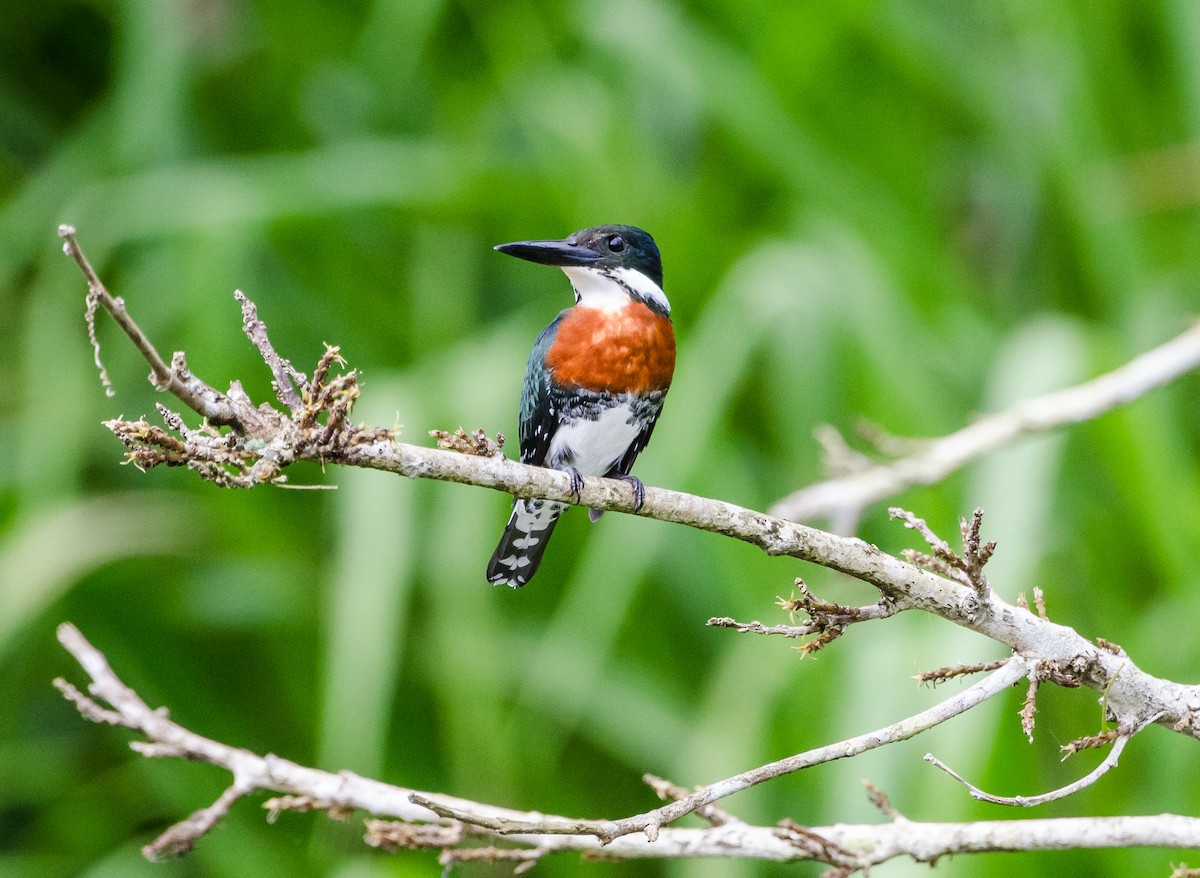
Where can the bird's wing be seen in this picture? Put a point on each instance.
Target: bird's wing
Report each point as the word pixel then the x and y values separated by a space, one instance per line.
pixel 539 408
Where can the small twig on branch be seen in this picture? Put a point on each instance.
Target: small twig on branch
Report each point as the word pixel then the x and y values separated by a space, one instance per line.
pixel 837 457
pixel 665 789
pixel 757 627
pixel 941 675
pixel 301 804
pixel 822 848
pixel 966 568
pixel 976 552
pixel 89 317
pixel 182 837
pixel 175 379
pixel 1091 742
pixel 1039 602
pixel 525 858
pixel 476 443
pixel 1110 646
pixel 879 799
pixel 391 835
pixel 1029 708
pixel 89 709
pixel 1110 762
pixel 826 620
pixel 282 369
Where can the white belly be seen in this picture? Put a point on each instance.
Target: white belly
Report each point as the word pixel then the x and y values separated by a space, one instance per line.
pixel 592 447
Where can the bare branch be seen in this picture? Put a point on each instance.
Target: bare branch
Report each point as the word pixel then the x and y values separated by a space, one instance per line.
pixel 175 379
pixel 251 772
pixel 826 620
pixel 757 627
pixel 844 497
pixel 846 847
pixel 282 369
pixel 713 813
pixel 966 568
pixel 1110 762
pixel 182 837
pixel 650 822
pixel 941 675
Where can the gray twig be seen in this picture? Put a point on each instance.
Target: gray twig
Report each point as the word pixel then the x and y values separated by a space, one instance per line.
pixel 1110 762
pixel 174 379
pixel 925 462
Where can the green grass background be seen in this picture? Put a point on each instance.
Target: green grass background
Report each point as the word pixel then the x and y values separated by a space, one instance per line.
pixel 908 212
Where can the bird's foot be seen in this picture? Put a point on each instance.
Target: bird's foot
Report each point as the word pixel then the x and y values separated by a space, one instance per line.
pixel 639 490
pixel 576 482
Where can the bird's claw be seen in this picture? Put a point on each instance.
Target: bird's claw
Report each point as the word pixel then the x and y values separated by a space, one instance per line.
pixel 639 490
pixel 576 482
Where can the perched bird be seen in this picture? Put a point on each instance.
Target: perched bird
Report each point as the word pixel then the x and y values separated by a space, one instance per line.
pixel 595 382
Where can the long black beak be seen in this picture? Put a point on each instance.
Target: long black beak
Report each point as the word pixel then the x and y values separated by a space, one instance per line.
pixel 560 253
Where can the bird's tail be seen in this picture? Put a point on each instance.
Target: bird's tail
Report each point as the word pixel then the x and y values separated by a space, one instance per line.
pixel 520 552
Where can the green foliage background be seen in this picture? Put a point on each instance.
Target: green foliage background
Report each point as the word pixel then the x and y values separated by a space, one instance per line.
pixel 907 212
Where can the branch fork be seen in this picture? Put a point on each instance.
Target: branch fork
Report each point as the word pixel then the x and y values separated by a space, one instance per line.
pixel 965 568
pixel 828 621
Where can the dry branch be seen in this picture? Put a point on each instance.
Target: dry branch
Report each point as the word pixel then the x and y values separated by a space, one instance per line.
pixel 420 820
pixel 843 498
pixel 1109 763
pixel 826 620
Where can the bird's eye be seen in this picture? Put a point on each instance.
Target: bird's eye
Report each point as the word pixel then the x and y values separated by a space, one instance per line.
pixel 616 243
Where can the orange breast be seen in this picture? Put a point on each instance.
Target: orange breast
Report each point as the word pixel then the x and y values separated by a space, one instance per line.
pixel 626 351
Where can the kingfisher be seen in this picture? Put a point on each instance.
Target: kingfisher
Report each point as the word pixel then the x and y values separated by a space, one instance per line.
pixel 596 379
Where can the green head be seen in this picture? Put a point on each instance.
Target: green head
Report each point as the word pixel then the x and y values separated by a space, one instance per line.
pixel 600 248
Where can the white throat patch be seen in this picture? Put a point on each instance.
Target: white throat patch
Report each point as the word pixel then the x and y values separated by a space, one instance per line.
pixel 609 289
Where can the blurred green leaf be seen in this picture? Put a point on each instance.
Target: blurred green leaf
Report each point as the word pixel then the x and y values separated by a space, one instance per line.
pixel 903 213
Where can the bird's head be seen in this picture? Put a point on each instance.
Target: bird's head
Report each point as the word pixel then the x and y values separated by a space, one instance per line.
pixel 607 265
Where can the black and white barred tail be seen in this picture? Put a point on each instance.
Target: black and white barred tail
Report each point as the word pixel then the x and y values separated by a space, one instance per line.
pixel 520 552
